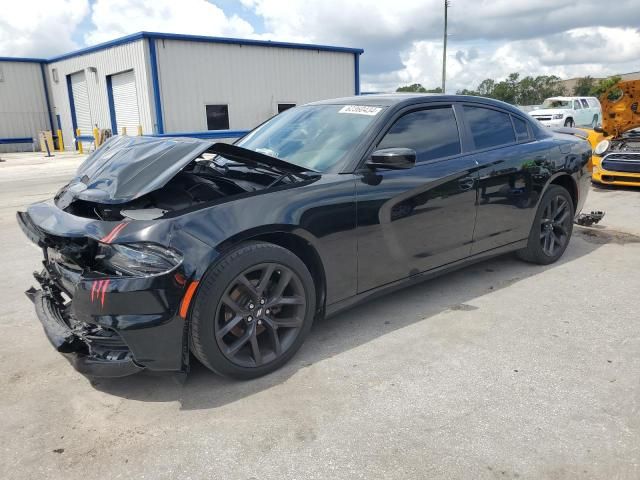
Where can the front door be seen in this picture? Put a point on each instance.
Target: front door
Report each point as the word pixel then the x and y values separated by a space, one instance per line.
pixel 410 221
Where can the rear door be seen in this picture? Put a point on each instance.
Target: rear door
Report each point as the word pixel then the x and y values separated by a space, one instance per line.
pixel 509 162
pixel 579 113
pixel 410 221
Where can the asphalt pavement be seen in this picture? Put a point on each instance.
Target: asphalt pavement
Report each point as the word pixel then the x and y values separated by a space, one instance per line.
pixel 500 370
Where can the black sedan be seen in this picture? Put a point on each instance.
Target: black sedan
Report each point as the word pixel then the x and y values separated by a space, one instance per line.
pixel 159 248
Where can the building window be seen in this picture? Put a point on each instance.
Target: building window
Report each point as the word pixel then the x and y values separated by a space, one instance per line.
pixel 285 106
pixel 217 117
pixel 54 74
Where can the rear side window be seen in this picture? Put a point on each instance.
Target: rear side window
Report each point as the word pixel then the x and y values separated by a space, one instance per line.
pixel 489 128
pixel 520 126
pixel 576 105
pixel 593 102
pixel 432 133
pixel 584 103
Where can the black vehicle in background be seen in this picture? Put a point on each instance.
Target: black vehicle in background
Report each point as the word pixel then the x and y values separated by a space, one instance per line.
pixel 162 247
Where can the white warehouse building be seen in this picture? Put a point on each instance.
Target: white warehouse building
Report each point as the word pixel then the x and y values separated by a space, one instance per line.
pixel 167 84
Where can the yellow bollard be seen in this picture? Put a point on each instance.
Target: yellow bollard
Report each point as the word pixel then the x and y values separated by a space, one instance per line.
pixel 139 130
pixel 96 136
pixel 60 141
pixel 124 130
pixel 78 141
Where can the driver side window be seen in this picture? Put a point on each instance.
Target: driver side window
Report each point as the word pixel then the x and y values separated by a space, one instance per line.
pixel 576 105
pixel 432 133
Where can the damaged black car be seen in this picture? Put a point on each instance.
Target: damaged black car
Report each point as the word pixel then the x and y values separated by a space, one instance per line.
pixel 160 248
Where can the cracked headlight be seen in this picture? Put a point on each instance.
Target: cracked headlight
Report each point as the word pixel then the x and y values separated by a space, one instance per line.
pixel 137 259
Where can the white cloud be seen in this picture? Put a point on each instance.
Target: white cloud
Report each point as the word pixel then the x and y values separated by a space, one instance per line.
pixel 490 38
pixel 115 18
pixel 39 28
pixel 598 52
pixel 402 40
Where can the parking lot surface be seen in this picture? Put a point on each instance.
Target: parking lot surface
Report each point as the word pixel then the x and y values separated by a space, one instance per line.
pixel 500 370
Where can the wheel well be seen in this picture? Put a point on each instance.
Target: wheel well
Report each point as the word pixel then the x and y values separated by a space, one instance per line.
pixel 570 186
pixel 305 251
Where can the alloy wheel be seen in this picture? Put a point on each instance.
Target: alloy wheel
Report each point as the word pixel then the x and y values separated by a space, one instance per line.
pixel 554 225
pixel 260 315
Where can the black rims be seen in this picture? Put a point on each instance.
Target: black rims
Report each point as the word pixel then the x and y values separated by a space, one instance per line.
pixel 555 224
pixel 260 315
pixel 552 227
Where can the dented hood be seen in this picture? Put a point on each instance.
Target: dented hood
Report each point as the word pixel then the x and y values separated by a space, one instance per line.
pixel 125 168
pixel 620 111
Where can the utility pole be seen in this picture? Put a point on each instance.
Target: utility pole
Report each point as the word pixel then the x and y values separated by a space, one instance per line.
pixel 447 4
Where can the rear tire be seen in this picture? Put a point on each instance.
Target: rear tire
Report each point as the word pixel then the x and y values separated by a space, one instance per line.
pixel 551 229
pixel 569 122
pixel 252 311
pixel 594 122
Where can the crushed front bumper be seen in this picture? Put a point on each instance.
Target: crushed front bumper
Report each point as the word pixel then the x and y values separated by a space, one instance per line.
pixel 80 352
pixel 108 326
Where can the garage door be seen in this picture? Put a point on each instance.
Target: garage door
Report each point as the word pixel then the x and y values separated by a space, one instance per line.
pixel 81 103
pixel 125 102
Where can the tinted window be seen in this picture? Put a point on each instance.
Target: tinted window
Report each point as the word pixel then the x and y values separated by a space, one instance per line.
pixel 584 103
pixel 522 132
pixel 285 106
pixel 489 128
pixel 432 133
pixel 217 117
pixel 576 105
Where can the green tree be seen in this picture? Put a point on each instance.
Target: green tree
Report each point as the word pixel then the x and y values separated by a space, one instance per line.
pixel 584 86
pixel 416 87
pixel 486 87
pixel 605 84
pixel 513 89
pixel 507 90
pixel 548 86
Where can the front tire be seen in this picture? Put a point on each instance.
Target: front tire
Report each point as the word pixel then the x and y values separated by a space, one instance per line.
pixel 551 229
pixel 569 122
pixel 252 311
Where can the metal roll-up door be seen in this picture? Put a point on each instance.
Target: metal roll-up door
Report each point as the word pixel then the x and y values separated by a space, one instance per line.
pixel 81 104
pixel 125 102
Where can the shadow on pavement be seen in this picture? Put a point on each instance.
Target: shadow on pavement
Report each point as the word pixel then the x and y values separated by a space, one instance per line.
pixel 204 390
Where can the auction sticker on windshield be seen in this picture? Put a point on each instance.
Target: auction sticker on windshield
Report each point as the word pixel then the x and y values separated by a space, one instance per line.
pixel 360 109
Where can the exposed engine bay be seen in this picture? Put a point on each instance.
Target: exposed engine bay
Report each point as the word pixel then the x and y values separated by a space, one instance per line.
pixel 207 179
pixel 627 142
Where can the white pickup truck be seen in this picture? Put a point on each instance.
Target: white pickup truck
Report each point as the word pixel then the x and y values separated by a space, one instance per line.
pixel 569 112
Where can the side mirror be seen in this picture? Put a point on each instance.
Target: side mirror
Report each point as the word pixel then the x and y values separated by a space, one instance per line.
pixel 392 158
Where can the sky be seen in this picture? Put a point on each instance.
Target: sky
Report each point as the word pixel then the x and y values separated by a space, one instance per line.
pixel 402 39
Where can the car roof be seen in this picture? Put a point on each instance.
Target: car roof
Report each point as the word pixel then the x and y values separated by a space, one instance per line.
pixel 406 99
pixel 566 98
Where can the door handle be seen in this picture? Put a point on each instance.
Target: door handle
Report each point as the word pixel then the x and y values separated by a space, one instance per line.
pixel 466 183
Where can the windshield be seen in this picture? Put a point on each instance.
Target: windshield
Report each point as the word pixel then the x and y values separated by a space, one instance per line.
pixel 552 103
pixel 317 137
